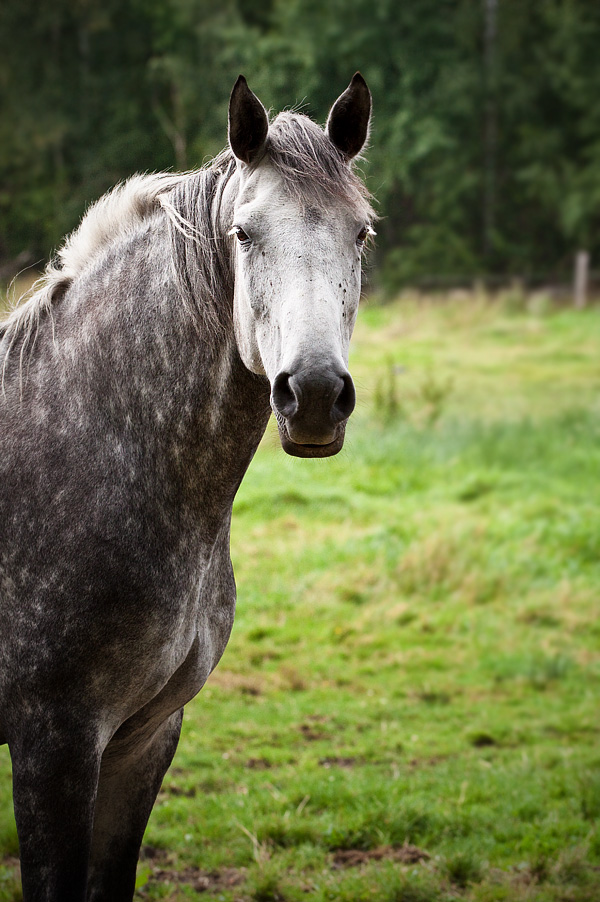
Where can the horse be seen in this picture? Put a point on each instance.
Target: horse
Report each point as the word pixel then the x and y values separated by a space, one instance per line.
pixel 137 379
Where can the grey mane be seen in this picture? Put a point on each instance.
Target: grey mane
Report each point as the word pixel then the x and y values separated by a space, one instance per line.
pixel 312 170
pixel 199 245
pixel 115 214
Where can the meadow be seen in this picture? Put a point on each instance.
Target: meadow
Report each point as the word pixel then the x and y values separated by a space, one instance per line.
pixel 408 708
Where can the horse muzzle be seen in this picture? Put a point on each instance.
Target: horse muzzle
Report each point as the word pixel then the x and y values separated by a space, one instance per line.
pixel 312 408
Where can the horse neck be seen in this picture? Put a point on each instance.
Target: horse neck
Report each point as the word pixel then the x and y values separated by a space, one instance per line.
pixel 211 412
pixel 133 351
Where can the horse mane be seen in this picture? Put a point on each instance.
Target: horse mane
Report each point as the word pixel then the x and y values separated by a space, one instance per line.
pixel 116 213
pixel 200 248
pixel 312 169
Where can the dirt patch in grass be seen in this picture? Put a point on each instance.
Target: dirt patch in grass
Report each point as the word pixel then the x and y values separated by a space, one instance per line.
pixel 480 739
pixel 340 762
pixel 173 790
pixel 200 881
pixel 427 762
pixel 312 734
pixel 406 854
pixel 163 870
pixel 258 764
pixel 236 682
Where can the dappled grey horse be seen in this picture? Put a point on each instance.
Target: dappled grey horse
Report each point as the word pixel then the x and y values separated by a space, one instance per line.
pixel 136 383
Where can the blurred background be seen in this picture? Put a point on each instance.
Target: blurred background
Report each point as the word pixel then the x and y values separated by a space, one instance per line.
pixel 407 710
pixel 485 155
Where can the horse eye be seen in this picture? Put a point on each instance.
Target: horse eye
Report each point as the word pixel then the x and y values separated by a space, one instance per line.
pixel 362 235
pixel 241 236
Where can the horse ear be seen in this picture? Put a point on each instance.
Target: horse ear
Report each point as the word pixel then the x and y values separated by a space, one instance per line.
pixel 348 122
pixel 248 122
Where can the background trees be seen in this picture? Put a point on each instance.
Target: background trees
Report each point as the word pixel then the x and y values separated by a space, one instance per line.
pixel 486 140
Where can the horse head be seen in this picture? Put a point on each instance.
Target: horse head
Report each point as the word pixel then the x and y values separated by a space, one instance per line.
pixel 300 219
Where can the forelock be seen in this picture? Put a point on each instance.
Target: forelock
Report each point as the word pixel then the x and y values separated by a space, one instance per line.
pixel 313 170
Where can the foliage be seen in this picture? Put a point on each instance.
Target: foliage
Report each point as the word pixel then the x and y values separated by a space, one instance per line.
pixel 415 662
pixel 485 152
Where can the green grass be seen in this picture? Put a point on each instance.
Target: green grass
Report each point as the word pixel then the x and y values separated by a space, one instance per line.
pixel 416 654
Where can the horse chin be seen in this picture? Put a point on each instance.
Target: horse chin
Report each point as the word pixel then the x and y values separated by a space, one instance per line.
pixel 297 449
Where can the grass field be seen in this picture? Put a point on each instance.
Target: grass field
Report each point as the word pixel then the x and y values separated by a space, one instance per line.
pixel 408 709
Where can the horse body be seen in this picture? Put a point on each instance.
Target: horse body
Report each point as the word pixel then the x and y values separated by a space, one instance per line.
pixel 82 468
pixel 134 395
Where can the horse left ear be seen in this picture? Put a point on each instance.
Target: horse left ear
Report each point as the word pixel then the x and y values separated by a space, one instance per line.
pixel 248 122
pixel 348 122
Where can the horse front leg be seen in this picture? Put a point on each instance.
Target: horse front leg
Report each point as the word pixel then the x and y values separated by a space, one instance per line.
pixel 131 774
pixel 55 776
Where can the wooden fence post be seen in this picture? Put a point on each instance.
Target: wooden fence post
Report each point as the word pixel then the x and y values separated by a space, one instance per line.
pixel 582 262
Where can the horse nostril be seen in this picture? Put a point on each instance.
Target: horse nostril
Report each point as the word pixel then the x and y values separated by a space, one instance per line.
pixel 345 401
pixel 283 396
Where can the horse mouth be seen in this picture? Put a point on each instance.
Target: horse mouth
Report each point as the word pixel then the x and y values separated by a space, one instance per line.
pixel 306 449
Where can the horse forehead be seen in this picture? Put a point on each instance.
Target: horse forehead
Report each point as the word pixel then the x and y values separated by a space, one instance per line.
pixel 265 196
pixel 258 182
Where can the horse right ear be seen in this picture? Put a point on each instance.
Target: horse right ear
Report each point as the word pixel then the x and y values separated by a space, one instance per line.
pixel 248 122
